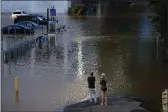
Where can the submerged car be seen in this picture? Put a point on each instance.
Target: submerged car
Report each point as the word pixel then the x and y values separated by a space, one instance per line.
pixel 17 29
pixel 16 13
pixel 30 24
pixel 38 19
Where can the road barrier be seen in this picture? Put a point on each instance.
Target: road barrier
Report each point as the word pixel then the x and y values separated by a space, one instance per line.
pixel 18 50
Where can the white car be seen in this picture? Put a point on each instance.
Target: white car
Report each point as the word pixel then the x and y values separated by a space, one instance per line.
pixel 16 13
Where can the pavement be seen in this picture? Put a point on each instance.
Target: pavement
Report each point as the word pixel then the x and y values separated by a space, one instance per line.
pixel 115 104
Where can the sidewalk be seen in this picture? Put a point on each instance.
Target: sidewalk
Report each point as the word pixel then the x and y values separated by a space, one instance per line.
pixel 115 104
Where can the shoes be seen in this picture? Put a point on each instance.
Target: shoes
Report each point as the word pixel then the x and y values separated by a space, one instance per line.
pixel 103 104
pixel 96 103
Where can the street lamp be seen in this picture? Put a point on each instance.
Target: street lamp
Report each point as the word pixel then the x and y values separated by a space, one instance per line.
pixel 2 54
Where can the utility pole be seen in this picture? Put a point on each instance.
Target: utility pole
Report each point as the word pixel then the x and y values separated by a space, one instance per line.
pixel 2 54
pixel 47 20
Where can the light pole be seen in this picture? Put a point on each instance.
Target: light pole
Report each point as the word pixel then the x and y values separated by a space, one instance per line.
pixel 2 54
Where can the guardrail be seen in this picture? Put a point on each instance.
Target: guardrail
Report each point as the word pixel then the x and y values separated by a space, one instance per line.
pixel 18 50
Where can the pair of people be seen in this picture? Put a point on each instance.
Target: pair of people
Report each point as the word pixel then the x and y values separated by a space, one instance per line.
pixel 91 84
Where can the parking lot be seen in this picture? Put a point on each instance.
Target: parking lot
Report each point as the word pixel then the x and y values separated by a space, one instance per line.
pixel 13 40
pixel 121 46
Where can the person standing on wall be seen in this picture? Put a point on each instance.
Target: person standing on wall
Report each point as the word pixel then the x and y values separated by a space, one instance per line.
pixel 91 84
pixel 103 83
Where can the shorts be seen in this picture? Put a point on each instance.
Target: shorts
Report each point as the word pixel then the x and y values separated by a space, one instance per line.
pixel 104 89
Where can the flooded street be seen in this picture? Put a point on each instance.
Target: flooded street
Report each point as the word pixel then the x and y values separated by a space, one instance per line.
pixel 122 46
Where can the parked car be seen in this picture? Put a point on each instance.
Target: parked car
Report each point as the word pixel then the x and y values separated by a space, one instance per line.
pixel 16 13
pixel 17 29
pixel 30 24
pixel 40 20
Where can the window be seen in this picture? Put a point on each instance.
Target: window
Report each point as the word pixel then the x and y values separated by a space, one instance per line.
pixel 16 12
pixel 17 28
pixel 22 23
pixel 34 19
pixel 43 17
pixel 29 25
pixel 9 27
pixel 40 18
pixel 34 24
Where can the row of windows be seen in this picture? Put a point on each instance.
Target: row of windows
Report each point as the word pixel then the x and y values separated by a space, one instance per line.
pixel 34 19
pixel 15 27
pixel 18 28
pixel 19 12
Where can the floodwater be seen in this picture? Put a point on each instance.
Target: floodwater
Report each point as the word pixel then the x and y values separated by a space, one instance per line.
pixel 122 46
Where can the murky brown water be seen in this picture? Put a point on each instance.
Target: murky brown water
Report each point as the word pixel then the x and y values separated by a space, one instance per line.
pixel 121 46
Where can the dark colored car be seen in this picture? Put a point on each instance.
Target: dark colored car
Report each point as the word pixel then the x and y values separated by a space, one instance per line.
pixel 17 29
pixel 40 20
pixel 30 24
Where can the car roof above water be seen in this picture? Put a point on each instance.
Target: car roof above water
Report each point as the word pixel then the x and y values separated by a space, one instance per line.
pixel 26 22
pixel 17 11
pixel 31 15
pixel 16 25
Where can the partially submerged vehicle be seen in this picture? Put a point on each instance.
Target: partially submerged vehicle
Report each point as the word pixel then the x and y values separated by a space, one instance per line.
pixel 30 24
pixel 38 19
pixel 17 29
pixel 17 13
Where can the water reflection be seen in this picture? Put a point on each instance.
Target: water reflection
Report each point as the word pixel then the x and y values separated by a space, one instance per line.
pixel 116 54
pixel 59 52
pixel 32 65
pixel 80 61
pixel 146 28
pixel 17 97
pixel 10 71
pixel 65 55
pixel 48 51
pixel 53 43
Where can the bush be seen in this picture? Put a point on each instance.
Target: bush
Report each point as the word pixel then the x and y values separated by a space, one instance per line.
pixel 78 10
pixel 161 22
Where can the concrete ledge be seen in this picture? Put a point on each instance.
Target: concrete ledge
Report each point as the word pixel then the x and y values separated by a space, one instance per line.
pixel 115 104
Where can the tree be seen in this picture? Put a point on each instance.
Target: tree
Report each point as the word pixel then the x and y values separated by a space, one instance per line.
pixel 161 21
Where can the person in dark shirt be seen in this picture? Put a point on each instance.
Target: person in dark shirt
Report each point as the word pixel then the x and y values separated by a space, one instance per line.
pixel 103 83
pixel 91 84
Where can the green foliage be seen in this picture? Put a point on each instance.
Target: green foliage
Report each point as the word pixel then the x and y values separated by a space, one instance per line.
pixel 161 9
pixel 78 10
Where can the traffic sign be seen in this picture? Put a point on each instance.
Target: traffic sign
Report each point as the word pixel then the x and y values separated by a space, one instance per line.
pixel 52 12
